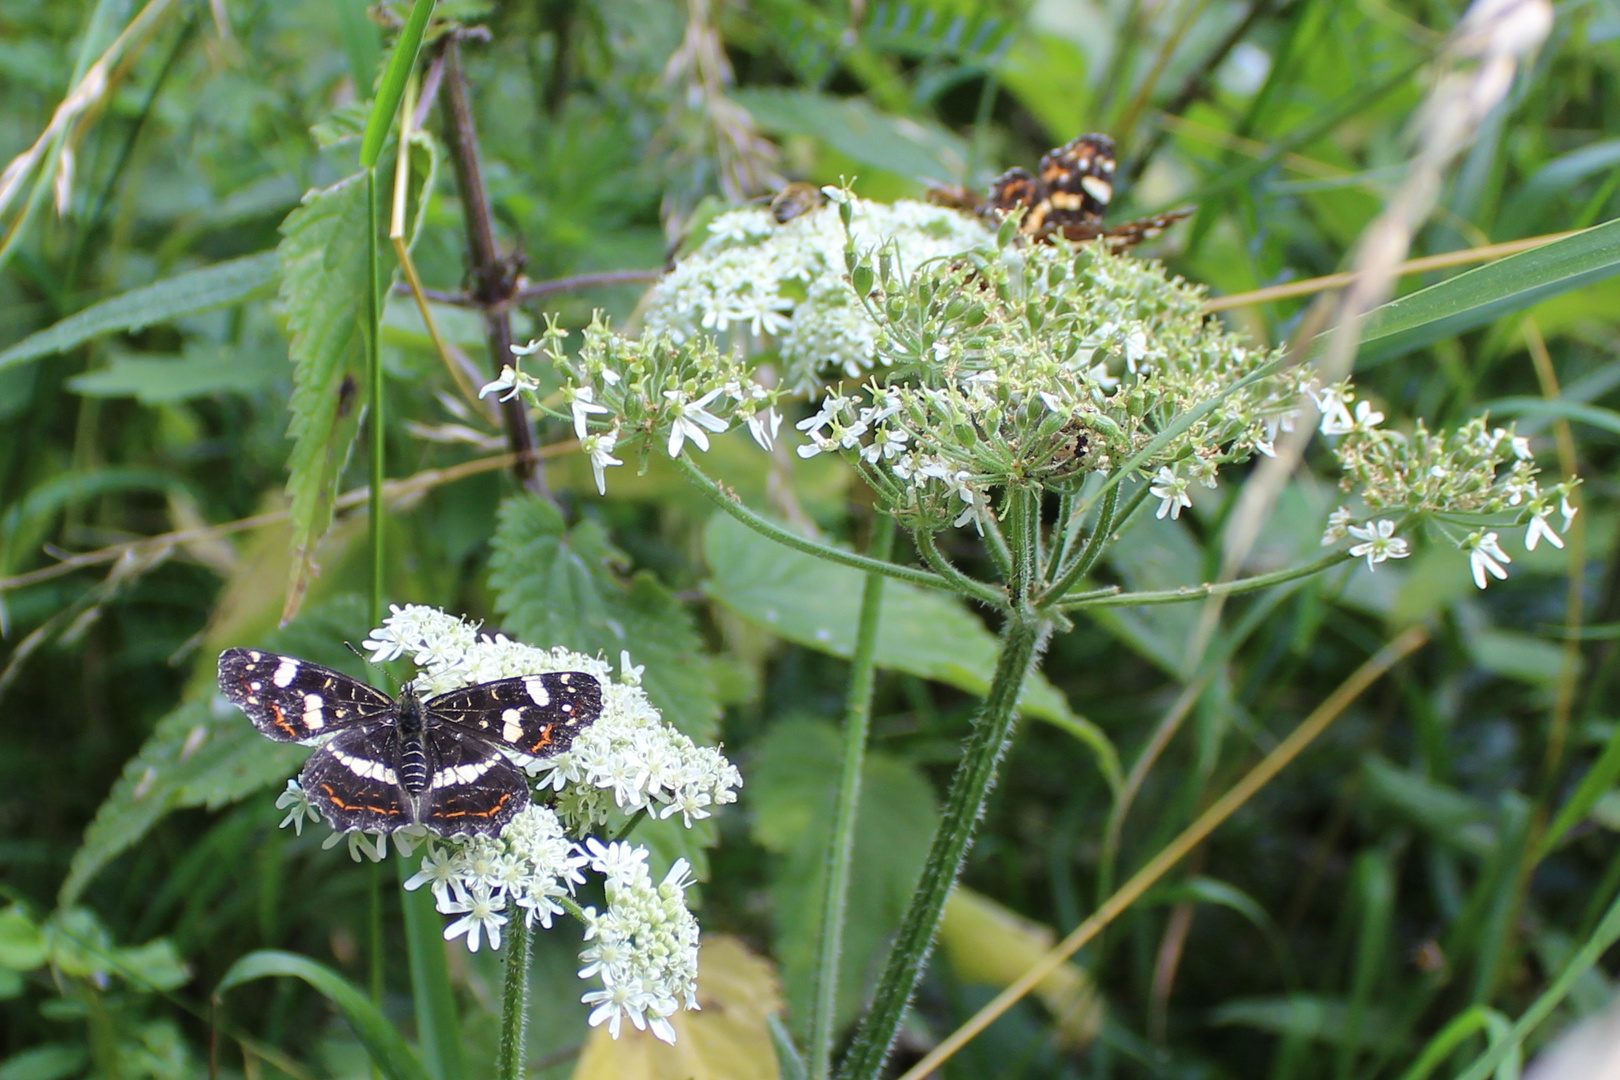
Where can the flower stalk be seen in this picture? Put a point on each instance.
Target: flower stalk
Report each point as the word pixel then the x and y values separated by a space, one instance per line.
pixel 514 1003
pixel 857 724
pixel 970 787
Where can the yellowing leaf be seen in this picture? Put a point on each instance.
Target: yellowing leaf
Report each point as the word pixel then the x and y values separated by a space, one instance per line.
pixel 987 943
pixel 726 1040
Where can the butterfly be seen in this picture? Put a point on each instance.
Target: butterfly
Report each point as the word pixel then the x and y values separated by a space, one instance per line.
pixel 382 764
pixel 1067 197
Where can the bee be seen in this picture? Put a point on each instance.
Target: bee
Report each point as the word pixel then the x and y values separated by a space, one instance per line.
pixel 796 200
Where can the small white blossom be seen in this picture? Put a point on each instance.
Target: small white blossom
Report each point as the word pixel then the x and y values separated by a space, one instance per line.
pixel 480 911
pixel 513 381
pixel 692 421
pixel 1539 529
pixel 1333 403
pixel 1338 526
pixel 1171 491
pixel 763 426
pixel 583 405
pixel 1378 542
pixel 298 807
pixel 1567 511
pixel 600 448
pixel 1486 556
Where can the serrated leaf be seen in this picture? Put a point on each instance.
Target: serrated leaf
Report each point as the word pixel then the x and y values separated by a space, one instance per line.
pixel 324 278
pixel 384 1045
pixel 205 753
pixel 201 371
pixel 729 1038
pixel 794 779
pixel 190 293
pixel 560 586
pixel 816 604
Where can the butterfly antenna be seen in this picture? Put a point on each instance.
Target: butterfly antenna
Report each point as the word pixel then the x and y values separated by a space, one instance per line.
pixel 364 659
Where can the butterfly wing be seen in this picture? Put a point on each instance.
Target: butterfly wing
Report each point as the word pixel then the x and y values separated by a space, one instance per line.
pixel 293 700
pixel 535 715
pixel 353 782
pixel 473 788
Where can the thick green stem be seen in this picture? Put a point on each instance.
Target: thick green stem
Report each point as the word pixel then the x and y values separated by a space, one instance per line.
pixel 771 530
pixel 857 723
pixel 514 1001
pixel 970 788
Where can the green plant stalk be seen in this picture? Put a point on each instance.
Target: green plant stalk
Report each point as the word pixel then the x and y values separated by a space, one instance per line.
pixel 970 587
pixel 1073 565
pixel 857 725
pixel 392 86
pixel 1607 932
pixel 374 373
pixel 514 1002
pixel 438 1028
pixel 770 530
pixel 970 788
pixel 1111 598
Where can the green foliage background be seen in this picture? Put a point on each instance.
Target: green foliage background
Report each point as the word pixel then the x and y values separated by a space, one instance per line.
pixel 1399 875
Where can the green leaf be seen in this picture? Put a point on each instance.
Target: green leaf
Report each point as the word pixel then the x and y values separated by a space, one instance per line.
pixel 190 293
pixel 1446 813
pixel 22 944
pixel 201 371
pixel 560 586
pixel 794 779
pixel 1488 293
pixel 205 753
pixel 1597 782
pixel 53 1061
pixel 387 1049
pixel 392 87
pixel 816 604
pixel 856 129
pixel 324 278
pixel 1558 409
pixel 1323 1019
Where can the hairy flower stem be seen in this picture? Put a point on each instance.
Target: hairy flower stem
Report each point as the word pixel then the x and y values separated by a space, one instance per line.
pixel 1021 643
pixel 857 723
pixel 514 1002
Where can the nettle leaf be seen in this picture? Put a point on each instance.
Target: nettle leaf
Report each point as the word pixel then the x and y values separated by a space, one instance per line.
pixel 324 278
pixel 816 604
pixel 205 753
pixel 560 586
pixel 794 782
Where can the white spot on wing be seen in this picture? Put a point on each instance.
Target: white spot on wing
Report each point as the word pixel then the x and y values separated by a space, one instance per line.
pixel 366 768
pixel 1097 188
pixel 285 672
pixel 536 687
pixel 511 725
pixel 312 712
pixel 461 774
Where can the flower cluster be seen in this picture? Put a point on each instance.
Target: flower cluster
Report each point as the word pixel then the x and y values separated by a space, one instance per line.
pixel 645 945
pixel 788 282
pixel 648 391
pixel 1476 475
pixel 1037 365
pixel 626 763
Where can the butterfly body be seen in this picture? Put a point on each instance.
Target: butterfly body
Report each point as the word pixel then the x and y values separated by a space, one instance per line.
pixel 440 762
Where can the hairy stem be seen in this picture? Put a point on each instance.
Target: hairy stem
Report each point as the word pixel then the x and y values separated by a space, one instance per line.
pixel 970 788
pixel 514 1002
pixel 728 502
pixel 857 723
